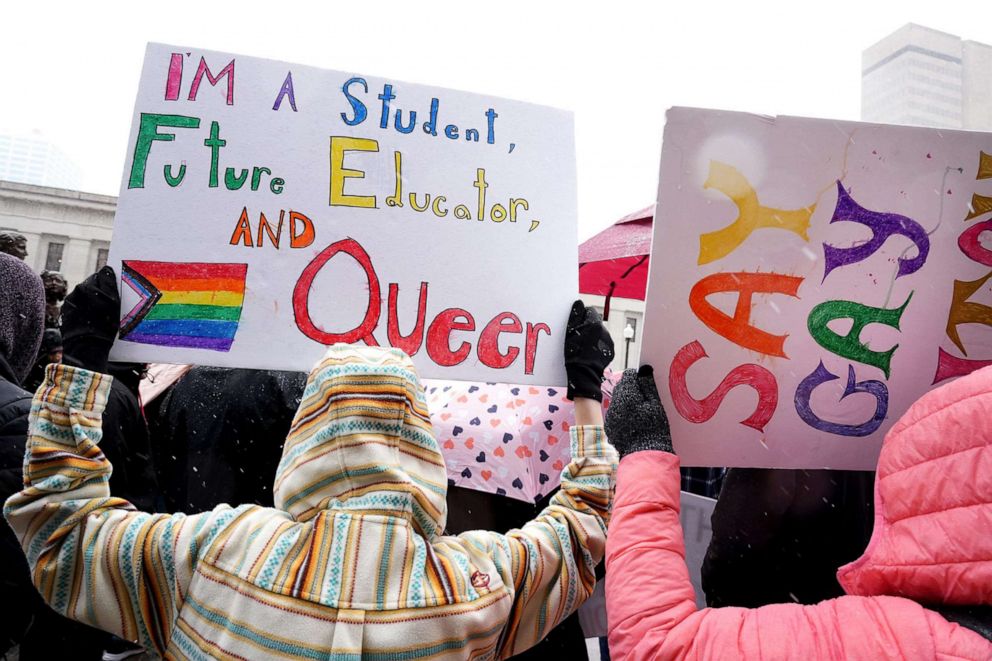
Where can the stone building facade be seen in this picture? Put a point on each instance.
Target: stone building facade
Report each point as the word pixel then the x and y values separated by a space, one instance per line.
pixel 67 231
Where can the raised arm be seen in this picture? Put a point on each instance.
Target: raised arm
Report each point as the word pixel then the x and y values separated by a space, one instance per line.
pixel 550 562
pixel 650 601
pixel 648 591
pixel 92 556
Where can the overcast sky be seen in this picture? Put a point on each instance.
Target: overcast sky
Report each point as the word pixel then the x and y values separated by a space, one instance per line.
pixel 70 69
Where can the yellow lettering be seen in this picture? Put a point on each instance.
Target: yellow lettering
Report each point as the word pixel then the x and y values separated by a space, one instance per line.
pixel 751 215
pixel 984 166
pixel 396 199
pixel 964 311
pixel 980 205
pixel 514 203
pixel 480 183
pixel 339 147
pixel 436 207
pixel 417 207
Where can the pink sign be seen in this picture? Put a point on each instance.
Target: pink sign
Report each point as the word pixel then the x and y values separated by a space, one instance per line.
pixel 810 279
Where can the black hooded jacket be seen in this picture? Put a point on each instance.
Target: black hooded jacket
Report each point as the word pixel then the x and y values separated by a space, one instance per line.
pixel 15 405
pixel 779 536
pixel 218 435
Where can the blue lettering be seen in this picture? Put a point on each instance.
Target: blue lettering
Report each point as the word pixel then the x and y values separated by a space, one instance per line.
pixel 409 127
pixel 386 96
pixel 357 106
pixel 491 116
pixel 821 375
pixel 431 125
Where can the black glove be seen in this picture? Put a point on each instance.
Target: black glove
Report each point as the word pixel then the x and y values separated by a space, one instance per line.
pixel 588 350
pixel 90 317
pixel 636 419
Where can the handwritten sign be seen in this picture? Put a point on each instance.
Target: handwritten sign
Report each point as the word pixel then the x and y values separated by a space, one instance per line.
pixel 810 279
pixel 695 513
pixel 270 209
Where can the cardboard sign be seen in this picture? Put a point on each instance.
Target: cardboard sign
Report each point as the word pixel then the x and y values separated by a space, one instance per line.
pixel 269 209
pixel 811 279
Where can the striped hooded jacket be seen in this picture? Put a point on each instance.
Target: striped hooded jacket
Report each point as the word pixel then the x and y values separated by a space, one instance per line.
pixel 351 563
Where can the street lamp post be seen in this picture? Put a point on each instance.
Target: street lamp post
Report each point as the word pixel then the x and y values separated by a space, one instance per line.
pixel 628 335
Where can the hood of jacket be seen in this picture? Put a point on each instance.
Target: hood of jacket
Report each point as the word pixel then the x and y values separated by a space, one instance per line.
pixel 362 440
pixel 22 315
pixel 932 540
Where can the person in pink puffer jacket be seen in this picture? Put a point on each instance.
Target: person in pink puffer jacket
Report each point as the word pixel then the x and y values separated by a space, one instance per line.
pixel 922 589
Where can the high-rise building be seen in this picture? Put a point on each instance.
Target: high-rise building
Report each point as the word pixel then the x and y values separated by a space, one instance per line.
pixel 924 77
pixel 31 159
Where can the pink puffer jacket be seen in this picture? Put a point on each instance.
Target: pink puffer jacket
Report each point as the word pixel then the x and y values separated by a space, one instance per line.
pixel 932 542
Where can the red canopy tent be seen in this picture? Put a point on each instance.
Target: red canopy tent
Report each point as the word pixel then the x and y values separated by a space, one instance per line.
pixel 615 261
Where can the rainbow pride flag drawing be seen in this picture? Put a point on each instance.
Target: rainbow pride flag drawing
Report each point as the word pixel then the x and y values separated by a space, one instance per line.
pixel 184 304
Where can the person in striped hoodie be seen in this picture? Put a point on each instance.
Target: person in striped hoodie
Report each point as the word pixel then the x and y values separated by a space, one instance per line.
pixel 351 563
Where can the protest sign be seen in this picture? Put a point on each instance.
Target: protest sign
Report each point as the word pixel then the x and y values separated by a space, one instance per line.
pixel 810 279
pixel 695 513
pixel 269 209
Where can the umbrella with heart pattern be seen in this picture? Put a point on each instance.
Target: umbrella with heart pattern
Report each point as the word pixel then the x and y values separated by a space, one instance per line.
pixel 510 440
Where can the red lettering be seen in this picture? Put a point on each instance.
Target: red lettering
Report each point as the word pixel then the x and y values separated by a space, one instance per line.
pixel 439 337
pixel 301 296
pixel 530 350
pixel 204 69
pixel 489 353
pixel 949 366
pixel 175 78
pixel 433 335
pixel 738 329
pixel 970 246
pixel 410 344
pixel 698 411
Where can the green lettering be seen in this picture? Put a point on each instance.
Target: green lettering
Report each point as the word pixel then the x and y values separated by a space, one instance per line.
pixel 147 134
pixel 850 346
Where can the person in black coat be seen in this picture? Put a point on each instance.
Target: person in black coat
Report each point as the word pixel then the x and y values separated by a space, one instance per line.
pixel 469 509
pixel 779 536
pixel 50 352
pixel 125 432
pixel 22 321
pixel 125 443
pixel 218 434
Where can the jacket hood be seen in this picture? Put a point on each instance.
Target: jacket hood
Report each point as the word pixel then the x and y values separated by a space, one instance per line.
pixel 932 540
pixel 22 315
pixel 362 440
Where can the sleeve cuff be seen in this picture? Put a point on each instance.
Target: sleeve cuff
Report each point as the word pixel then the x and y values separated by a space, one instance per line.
pixel 590 441
pixel 649 476
pixel 73 387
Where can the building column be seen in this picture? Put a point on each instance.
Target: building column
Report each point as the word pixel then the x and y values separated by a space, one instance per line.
pixel 76 265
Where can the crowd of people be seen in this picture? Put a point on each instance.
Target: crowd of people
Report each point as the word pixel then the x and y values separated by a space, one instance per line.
pixel 259 514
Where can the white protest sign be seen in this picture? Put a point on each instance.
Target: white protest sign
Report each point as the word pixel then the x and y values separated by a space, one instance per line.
pixel 269 209
pixel 811 279
pixel 695 513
